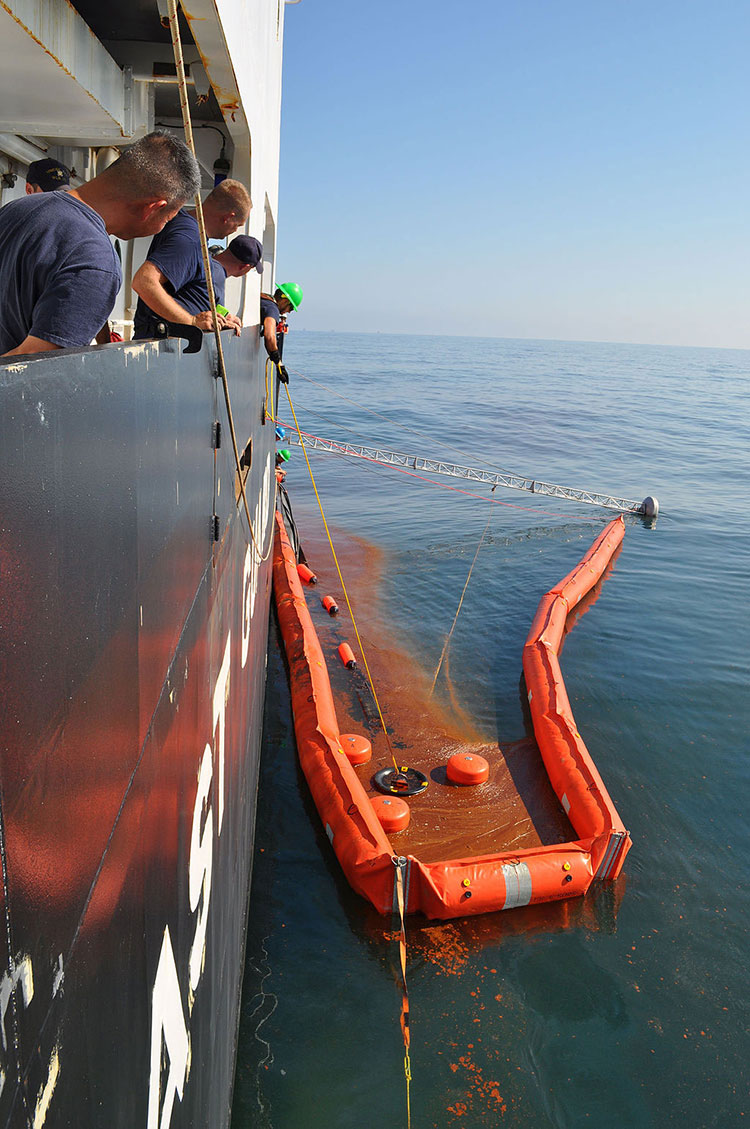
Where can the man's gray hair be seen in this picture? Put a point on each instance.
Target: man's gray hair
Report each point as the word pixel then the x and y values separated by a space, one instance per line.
pixel 157 165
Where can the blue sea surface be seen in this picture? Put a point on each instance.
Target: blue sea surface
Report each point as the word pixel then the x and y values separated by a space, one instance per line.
pixel 628 1007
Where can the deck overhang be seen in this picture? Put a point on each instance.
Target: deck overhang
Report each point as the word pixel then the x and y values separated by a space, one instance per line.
pixel 58 81
pixel 208 34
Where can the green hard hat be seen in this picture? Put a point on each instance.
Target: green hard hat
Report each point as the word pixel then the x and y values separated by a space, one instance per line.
pixel 293 291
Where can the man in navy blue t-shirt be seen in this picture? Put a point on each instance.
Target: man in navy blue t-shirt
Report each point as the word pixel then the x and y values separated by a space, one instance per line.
pixel 171 284
pixel 59 274
pixel 286 298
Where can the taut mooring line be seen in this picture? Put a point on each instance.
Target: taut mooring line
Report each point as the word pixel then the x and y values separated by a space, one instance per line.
pixel 460 602
pixel 344 590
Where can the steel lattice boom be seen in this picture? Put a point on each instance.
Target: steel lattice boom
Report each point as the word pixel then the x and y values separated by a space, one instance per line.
pixel 649 507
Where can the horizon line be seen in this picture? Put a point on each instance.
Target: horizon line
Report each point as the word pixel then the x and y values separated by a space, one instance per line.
pixel 498 337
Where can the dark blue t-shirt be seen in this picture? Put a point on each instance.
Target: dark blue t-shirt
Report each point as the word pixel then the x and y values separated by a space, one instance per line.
pixel 176 252
pixel 268 309
pixel 59 274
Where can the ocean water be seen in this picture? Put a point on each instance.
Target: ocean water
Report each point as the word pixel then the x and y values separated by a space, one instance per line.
pixel 628 1007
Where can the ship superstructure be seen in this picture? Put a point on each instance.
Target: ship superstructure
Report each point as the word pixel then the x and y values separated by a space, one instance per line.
pixel 133 603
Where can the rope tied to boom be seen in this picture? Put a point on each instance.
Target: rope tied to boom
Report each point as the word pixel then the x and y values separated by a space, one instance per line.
pixel 400 864
pixel 460 602
pixel 344 590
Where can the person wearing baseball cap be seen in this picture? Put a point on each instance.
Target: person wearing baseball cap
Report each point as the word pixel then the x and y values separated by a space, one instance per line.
pixel 46 175
pixel 242 255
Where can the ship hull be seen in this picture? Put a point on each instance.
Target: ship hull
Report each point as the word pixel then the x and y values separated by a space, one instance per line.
pixel 133 619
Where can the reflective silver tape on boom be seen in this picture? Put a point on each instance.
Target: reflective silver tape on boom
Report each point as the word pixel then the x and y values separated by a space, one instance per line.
pixel 517 884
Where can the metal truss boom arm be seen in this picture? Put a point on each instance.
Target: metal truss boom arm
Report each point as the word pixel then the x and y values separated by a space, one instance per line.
pixel 649 507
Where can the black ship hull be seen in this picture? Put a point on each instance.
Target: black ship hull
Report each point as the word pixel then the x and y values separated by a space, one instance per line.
pixel 133 632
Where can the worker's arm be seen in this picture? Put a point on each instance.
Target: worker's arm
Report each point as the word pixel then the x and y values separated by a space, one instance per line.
pixel 272 348
pixel 150 284
pixel 32 344
pixel 269 336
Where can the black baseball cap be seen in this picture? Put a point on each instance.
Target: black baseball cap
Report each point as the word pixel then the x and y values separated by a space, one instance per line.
pixel 247 250
pixel 48 173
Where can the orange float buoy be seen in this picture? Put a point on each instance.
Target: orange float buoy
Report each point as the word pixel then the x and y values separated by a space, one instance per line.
pixel 330 605
pixel 358 749
pixel 346 654
pixel 306 575
pixel 392 812
pixel 467 768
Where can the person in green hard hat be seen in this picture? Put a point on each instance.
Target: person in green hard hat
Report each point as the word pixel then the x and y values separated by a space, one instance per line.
pixel 286 298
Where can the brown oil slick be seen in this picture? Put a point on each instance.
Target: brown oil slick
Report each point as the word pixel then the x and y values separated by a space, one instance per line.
pixel 515 809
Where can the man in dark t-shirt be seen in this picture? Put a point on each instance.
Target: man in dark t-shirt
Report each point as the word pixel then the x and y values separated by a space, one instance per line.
pixel 171 284
pixel 176 254
pixel 242 255
pixel 59 274
pixel 287 297
pixel 65 274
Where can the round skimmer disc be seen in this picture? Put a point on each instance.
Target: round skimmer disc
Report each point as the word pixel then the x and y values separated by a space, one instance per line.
pixel 403 781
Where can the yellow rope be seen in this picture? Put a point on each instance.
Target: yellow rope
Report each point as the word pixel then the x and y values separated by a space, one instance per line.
pixel 182 86
pixel 407 1073
pixel 460 602
pixel 343 585
pixel 405 1010
pixel 267 413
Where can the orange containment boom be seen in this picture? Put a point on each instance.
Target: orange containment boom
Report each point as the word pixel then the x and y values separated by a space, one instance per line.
pixel 571 770
pixel 456 887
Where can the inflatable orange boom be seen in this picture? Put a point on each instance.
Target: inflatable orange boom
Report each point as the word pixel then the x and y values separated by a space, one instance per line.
pixel 462 886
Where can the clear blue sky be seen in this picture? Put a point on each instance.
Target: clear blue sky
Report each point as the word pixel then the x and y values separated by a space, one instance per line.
pixel 574 169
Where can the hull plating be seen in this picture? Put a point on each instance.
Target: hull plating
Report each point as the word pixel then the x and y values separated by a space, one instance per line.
pixel 132 667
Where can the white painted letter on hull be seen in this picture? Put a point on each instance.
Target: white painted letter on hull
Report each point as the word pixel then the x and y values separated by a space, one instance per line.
pixel 167 1028
pixel 170 1033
